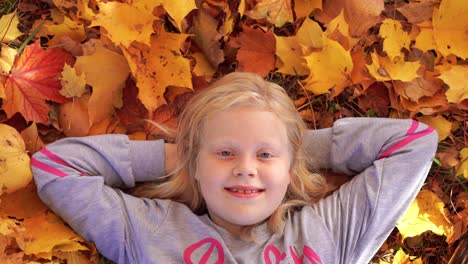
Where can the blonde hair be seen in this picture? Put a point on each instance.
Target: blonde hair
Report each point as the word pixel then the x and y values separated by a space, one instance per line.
pixel 238 89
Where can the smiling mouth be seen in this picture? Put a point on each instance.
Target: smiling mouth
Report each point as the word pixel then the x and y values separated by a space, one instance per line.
pixel 244 191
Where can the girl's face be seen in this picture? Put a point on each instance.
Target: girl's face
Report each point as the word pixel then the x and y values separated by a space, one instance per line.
pixel 243 167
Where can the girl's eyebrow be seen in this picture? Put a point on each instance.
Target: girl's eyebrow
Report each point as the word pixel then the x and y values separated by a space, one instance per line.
pixel 264 143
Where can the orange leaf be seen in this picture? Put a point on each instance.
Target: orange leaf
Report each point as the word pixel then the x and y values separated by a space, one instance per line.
pixel 34 79
pixel 256 50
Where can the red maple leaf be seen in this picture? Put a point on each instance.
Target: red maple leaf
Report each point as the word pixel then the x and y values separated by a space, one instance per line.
pixel 34 79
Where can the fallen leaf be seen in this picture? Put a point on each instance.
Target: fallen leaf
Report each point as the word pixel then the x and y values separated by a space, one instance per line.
pixel 256 50
pixel 360 15
pixel 384 69
pixel 2 90
pixel 375 98
pixel 158 67
pixel 203 66
pixel 73 84
pixel 31 139
pixel 106 71
pixel 126 23
pixel 455 78
pixel 75 9
pixel 45 232
pixel 394 37
pixel 133 112
pixel 450 25
pixel 439 123
pixel 22 203
pixel 303 8
pixel 448 157
pixel 418 88
pixel 15 165
pixel 9 27
pixel 277 12
pixel 338 29
pixel 401 258
pixel 7 58
pixel 291 50
pixel 329 69
pixel 33 80
pixel 417 12
pixel 207 37
pixel 427 105
pixel 425 39
pixel 462 169
pixel 426 213
pixel 61 27
pixel 176 9
pixel 73 117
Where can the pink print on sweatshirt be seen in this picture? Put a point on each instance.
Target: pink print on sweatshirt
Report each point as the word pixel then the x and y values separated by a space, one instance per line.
pixel 211 249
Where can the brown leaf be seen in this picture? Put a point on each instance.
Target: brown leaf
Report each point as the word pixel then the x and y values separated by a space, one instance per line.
pixel 375 98
pixel 417 12
pixel 418 88
pixel 256 50
pixel 207 38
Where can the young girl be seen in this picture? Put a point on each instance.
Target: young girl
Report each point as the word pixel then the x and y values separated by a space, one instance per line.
pixel 240 188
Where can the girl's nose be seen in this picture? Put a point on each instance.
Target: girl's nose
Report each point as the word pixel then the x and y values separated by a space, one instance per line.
pixel 245 167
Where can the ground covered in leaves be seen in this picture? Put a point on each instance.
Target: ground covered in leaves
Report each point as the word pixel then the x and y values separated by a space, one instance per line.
pixel 86 67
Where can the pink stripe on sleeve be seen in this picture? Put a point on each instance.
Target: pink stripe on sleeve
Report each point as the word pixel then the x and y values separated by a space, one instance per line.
pixel 410 137
pixel 57 159
pixel 47 168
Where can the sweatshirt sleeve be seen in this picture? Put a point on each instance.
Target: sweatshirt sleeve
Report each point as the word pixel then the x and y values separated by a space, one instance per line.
pixel 390 159
pixel 78 179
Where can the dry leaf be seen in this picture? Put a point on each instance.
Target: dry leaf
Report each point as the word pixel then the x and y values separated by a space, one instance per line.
pixel 160 66
pixel 7 58
pixel 394 37
pixel 455 78
pixel 9 27
pixel 73 84
pixel 401 258
pixel 450 25
pixel 31 139
pixel 439 123
pixel 126 23
pixel 426 213
pixel 384 69
pixel 462 169
pixel 207 38
pixel 176 9
pixel 33 80
pixel 106 71
pixel 277 12
pixel 303 8
pixel 329 69
pixel 256 50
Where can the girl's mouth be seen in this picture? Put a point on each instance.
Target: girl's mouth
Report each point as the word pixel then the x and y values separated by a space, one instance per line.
pixel 244 193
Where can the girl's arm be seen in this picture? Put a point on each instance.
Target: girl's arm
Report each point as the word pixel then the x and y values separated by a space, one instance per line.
pixel 390 158
pixel 76 177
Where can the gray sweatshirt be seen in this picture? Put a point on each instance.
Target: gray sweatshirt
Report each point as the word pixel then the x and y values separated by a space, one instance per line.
pixel 79 179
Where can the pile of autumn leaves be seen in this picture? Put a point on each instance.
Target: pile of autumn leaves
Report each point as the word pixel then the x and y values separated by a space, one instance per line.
pixel 109 64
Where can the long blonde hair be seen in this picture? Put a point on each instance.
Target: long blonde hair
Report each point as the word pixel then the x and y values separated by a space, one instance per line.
pixel 238 89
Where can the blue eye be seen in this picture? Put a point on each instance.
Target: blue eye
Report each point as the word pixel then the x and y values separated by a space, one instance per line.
pixel 224 153
pixel 265 155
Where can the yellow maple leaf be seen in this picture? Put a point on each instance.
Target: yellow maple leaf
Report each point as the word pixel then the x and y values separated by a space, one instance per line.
pixel 277 12
pixel 384 69
pixel 159 66
pixel 106 71
pixel 425 39
pixel 126 23
pixel 203 66
pixel 439 123
pixel 15 164
pixel 462 168
pixel 426 213
pixel 455 78
pixel 394 38
pixel 61 27
pixel 329 68
pixel 45 232
pixel 450 27
pixel 9 27
pixel 401 258
pixel 73 84
pixel 291 50
pixel 78 8
pixel 303 8
pixel 23 203
pixel 178 10
pixel 7 57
